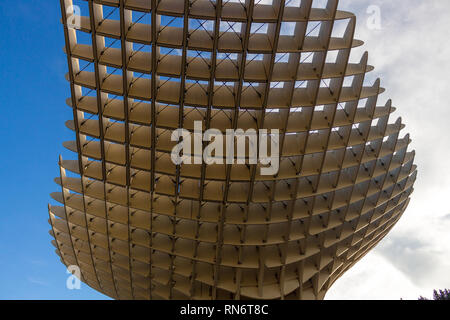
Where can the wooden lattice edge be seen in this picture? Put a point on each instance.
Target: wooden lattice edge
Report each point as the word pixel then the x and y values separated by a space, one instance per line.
pixel 147 229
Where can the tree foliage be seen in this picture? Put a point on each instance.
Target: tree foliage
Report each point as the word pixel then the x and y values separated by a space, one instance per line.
pixel 439 295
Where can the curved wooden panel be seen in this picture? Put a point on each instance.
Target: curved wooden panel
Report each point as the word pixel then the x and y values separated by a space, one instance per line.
pixel 141 227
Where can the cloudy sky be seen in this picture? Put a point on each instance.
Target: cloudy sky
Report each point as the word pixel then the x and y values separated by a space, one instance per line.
pixel 410 54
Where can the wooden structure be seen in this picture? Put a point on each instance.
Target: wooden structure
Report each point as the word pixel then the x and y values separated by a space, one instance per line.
pixel 140 227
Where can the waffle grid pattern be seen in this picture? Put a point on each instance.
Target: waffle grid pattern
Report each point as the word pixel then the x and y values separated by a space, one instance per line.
pixel 141 227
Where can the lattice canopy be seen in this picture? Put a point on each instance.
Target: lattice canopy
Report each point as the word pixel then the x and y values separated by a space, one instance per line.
pixel 141 227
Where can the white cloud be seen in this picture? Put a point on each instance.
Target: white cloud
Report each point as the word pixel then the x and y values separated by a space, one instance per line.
pixel 411 56
pixel 364 280
pixel 37 281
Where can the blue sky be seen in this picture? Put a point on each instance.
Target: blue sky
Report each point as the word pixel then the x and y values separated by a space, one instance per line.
pixel 33 93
